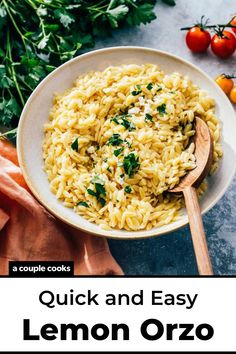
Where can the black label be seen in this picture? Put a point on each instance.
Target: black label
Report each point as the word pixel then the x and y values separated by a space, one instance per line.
pixel 41 269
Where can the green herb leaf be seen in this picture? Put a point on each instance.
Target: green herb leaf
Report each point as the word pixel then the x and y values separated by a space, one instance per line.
pixel 122 120
pixel 100 189
pixel 162 109
pixel 91 192
pixel 97 180
pixel 149 86
pixel 116 14
pixel 128 125
pixel 135 93
pixel 64 16
pixel 142 13
pixel 3 12
pixel 102 201
pixel 115 140
pixel 13 106
pixel 159 88
pixel 128 189
pixel 131 164
pixel 118 151
pixel 9 109
pixel 5 81
pixel 38 36
pixel 128 143
pixel 169 2
pixel 115 120
pixel 109 169
pixel 148 117
pixel 75 145
pixel 42 44
pixel 138 91
pixel 83 204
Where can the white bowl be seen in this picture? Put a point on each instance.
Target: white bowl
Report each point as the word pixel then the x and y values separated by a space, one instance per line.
pixel 36 112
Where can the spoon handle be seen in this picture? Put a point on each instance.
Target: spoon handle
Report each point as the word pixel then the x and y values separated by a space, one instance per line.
pixel 197 231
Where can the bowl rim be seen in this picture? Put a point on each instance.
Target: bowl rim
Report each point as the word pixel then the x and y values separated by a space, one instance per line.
pixel 134 235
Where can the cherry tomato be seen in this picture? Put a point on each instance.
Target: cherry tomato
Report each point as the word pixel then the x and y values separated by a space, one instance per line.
pixel 198 40
pixel 223 45
pixel 232 94
pixel 225 83
pixel 233 22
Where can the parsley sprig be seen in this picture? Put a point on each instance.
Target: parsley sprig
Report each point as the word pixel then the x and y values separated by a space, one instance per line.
pixel 148 117
pixel 137 90
pixel 118 151
pixel 36 36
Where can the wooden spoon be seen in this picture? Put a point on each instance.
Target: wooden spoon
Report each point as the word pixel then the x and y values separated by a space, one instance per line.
pixel 188 185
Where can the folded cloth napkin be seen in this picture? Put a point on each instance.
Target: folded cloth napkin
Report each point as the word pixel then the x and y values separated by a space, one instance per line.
pixel 29 233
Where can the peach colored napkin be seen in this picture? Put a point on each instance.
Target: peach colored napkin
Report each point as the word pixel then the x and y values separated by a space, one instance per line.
pixel 29 232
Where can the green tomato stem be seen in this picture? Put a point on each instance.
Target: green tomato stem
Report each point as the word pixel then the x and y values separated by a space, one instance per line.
pixel 209 27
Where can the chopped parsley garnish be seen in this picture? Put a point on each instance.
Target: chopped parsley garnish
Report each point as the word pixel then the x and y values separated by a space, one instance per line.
pixel 105 160
pixel 128 189
pixel 99 190
pixel 115 120
pixel 75 145
pixel 98 180
pixel 102 201
pixel 162 109
pixel 148 117
pixel 122 175
pixel 131 164
pixel 115 140
pixel 84 204
pixel 122 119
pixel 91 192
pixel 118 151
pixel 109 169
pixel 149 86
pixel 138 91
pixel 159 88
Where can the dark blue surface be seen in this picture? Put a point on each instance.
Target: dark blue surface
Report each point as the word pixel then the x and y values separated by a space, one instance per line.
pixel 172 254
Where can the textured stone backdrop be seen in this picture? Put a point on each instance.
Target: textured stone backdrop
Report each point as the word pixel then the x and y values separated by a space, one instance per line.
pixel 172 254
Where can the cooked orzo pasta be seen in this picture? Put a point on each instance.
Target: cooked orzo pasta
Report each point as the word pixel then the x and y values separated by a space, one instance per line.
pixel 119 139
